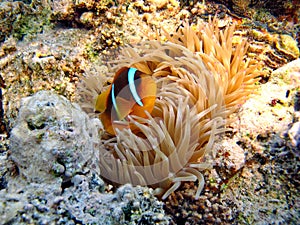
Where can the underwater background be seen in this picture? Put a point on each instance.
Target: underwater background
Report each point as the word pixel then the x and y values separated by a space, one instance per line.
pixel 49 163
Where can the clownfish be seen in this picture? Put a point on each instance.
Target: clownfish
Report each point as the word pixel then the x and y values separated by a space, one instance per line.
pixel 131 93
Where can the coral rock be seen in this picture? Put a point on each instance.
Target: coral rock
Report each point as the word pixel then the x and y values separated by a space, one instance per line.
pixel 230 156
pixel 53 145
pixel 52 133
pixel 289 73
pixel 158 3
pixel 287 46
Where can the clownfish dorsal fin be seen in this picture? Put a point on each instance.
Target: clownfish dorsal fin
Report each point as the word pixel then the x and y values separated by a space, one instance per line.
pixel 121 72
pixel 131 73
pixel 101 101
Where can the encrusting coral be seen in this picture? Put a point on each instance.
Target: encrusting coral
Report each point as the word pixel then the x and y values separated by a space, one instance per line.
pixel 201 78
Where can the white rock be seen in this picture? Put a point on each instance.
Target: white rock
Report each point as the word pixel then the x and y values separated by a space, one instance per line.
pixel 53 133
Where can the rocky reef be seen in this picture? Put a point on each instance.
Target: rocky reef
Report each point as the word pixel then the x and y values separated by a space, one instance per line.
pixel 255 178
pixel 19 19
pixel 49 169
pixel 52 172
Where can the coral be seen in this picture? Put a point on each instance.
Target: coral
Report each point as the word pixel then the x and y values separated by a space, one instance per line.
pixel 158 4
pixel 268 178
pixel 43 64
pixel 47 118
pixel 104 19
pixel 286 45
pixel 127 206
pixel 201 79
pixel 289 9
pixel 266 191
pixel 270 173
pixel 239 7
pixel 289 74
pixel 208 209
pixel 19 19
pixel 7 21
pixel 32 24
pixel 255 177
pixel 57 172
pixel 108 38
pixel 273 49
pixel 294 134
pixel 230 157
pixel 86 13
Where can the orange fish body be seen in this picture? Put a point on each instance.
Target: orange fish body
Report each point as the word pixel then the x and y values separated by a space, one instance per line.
pixel 131 93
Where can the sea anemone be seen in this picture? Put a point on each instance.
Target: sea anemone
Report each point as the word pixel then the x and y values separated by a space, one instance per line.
pixel 201 79
pixel 234 73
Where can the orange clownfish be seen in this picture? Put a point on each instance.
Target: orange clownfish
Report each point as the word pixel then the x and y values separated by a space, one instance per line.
pixel 131 93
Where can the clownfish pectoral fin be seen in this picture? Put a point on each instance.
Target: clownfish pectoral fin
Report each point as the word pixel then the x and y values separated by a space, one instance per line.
pixel 101 101
pixel 124 107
